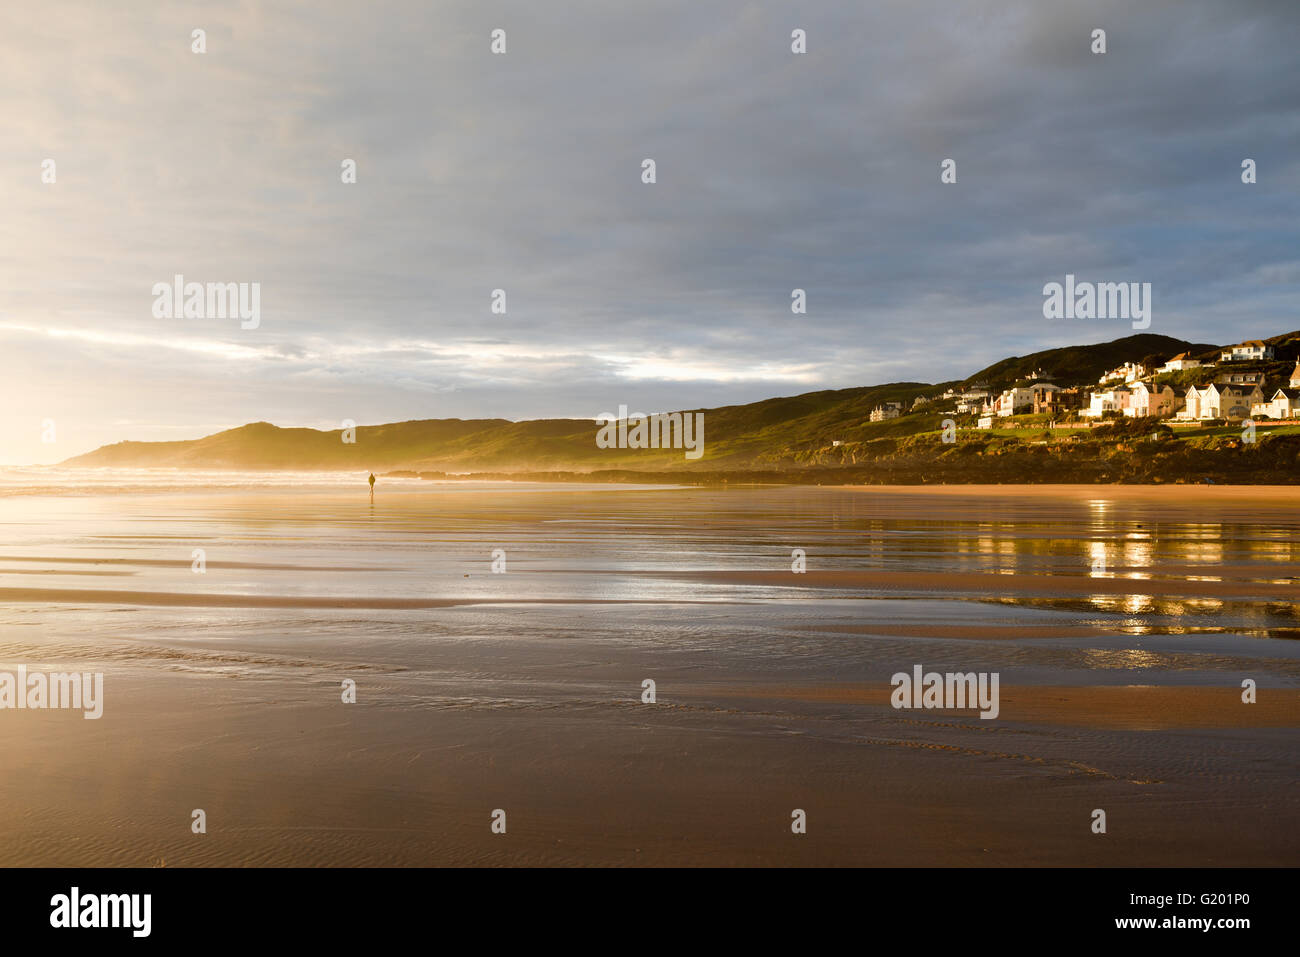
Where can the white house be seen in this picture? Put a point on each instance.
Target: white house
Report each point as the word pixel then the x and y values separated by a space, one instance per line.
pixel 1101 401
pixel 1022 398
pixel 1295 376
pixel 1179 363
pixel 1220 402
pixel 972 401
pixel 887 410
pixel 1012 399
pixel 1252 351
pixel 1285 404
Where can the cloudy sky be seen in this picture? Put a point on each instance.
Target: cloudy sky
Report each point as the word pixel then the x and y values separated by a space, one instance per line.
pixel 523 172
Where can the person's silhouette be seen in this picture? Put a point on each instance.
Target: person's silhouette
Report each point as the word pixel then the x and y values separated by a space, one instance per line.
pixel 372 486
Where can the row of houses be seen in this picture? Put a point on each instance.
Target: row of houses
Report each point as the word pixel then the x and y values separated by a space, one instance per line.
pixel 1237 395
pixel 1135 399
pixel 1128 391
pixel 1234 396
pixel 1253 351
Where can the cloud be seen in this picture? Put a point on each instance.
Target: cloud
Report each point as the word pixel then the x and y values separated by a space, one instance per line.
pixel 522 172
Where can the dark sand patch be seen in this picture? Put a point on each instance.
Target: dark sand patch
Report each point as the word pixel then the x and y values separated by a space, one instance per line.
pixel 1127 707
pixel 975 582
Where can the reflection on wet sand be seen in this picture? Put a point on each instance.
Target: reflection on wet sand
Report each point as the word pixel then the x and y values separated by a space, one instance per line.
pixel 1123 623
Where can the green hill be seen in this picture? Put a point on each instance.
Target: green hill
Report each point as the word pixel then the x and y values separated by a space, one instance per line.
pixel 778 432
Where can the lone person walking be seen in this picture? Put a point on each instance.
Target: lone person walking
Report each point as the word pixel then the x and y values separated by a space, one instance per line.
pixel 372 486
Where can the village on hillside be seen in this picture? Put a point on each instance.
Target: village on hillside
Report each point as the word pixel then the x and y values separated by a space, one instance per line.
pixel 1244 382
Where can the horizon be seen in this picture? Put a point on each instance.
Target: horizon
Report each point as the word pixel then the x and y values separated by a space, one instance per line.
pixel 571 418
pixel 523 173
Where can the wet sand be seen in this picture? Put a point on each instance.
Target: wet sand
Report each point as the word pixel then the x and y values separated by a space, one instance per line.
pixel 1131 708
pixel 522 691
pixel 913 582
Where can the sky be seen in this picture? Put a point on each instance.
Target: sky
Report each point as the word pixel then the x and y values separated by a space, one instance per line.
pixel 522 171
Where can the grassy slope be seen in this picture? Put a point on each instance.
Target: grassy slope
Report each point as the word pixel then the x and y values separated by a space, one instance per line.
pixel 783 433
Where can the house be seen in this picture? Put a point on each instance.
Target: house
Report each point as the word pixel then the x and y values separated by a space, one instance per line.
pixel 1253 351
pixel 1220 402
pixel 1285 404
pixel 887 410
pixel 972 401
pixel 1101 401
pixel 1180 363
pixel 1147 398
pixel 1013 400
pixel 919 401
pixel 1295 376
pixel 1048 399
pixel 1063 400
pixel 1021 398
pixel 986 422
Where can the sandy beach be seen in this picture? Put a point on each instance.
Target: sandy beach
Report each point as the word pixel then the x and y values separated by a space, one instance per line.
pixel 1122 623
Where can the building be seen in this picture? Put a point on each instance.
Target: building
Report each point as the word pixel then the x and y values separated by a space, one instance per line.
pixel 887 410
pixel 1101 401
pixel 1066 400
pixel 1180 363
pixel 1012 401
pixel 1253 351
pixel 973 400
pixel 1295 376
pixel 1021 399
pixel 1147 398
pixel 986 422
pixel 1220 402
pixel 1051 400
pixel 1285 404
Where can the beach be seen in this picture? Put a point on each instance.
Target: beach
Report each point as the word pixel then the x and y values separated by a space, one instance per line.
pixel 226 616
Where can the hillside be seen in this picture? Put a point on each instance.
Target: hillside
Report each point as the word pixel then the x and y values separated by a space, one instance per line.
pixel 1082 365
pixel 788 433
